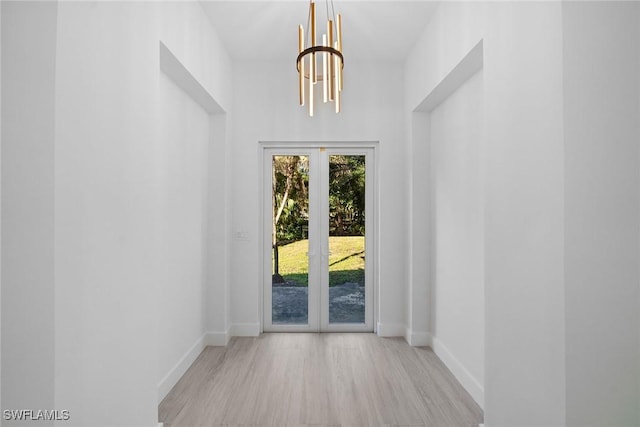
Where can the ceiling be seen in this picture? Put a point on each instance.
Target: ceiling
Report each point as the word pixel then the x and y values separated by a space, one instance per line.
pixel 267 30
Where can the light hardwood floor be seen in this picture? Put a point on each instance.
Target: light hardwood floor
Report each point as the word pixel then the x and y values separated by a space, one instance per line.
pixel 318 380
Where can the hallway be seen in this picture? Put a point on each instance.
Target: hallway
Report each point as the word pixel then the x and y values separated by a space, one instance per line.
pixel 318 379
pixel 502 239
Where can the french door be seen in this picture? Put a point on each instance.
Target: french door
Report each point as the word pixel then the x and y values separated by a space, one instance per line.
pixel 318 239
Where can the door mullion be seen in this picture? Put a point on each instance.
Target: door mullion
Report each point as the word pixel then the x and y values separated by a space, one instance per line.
pixel 315 270
pixel 323 240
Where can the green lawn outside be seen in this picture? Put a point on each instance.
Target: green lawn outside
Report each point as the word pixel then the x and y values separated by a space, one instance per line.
pixel 346 262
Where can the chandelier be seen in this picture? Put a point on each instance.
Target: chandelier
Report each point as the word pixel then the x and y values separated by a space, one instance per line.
pixel 329 52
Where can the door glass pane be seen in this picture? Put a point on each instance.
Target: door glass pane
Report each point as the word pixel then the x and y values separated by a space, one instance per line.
pixel 346 239
pixel 290 244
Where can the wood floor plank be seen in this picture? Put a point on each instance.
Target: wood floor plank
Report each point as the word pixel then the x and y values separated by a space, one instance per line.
pixel 319 405
pixel 396 394
pixel 318 380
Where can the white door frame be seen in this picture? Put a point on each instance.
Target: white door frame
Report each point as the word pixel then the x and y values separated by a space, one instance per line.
pixel 318 321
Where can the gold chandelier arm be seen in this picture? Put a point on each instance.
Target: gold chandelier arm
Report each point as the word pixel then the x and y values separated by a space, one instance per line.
pixel 339 37
pixel 332 86
pixel 301 70
pixel 314 65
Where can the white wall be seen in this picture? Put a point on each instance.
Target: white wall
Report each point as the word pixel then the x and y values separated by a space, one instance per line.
pixel 187 32
pixel 451 34
pixel 561 218
pixel 218 231
pixel 524 216
pixel 131 203
pixel 458 226
pixel 524 296
pixel 28 60
pixel 265 107
pixel 182 290
pixel 107 213
pixel 601 107
pixel 417 315
pixel 1 204
pixel 452 31
pixel 109 175
pixel 447 258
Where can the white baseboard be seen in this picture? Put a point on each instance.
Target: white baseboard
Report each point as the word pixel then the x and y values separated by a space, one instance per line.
pixel 172 377
pixel 217 339
pixel 468 381
pixel 245 329
pixel 418 339
pixel 391 329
